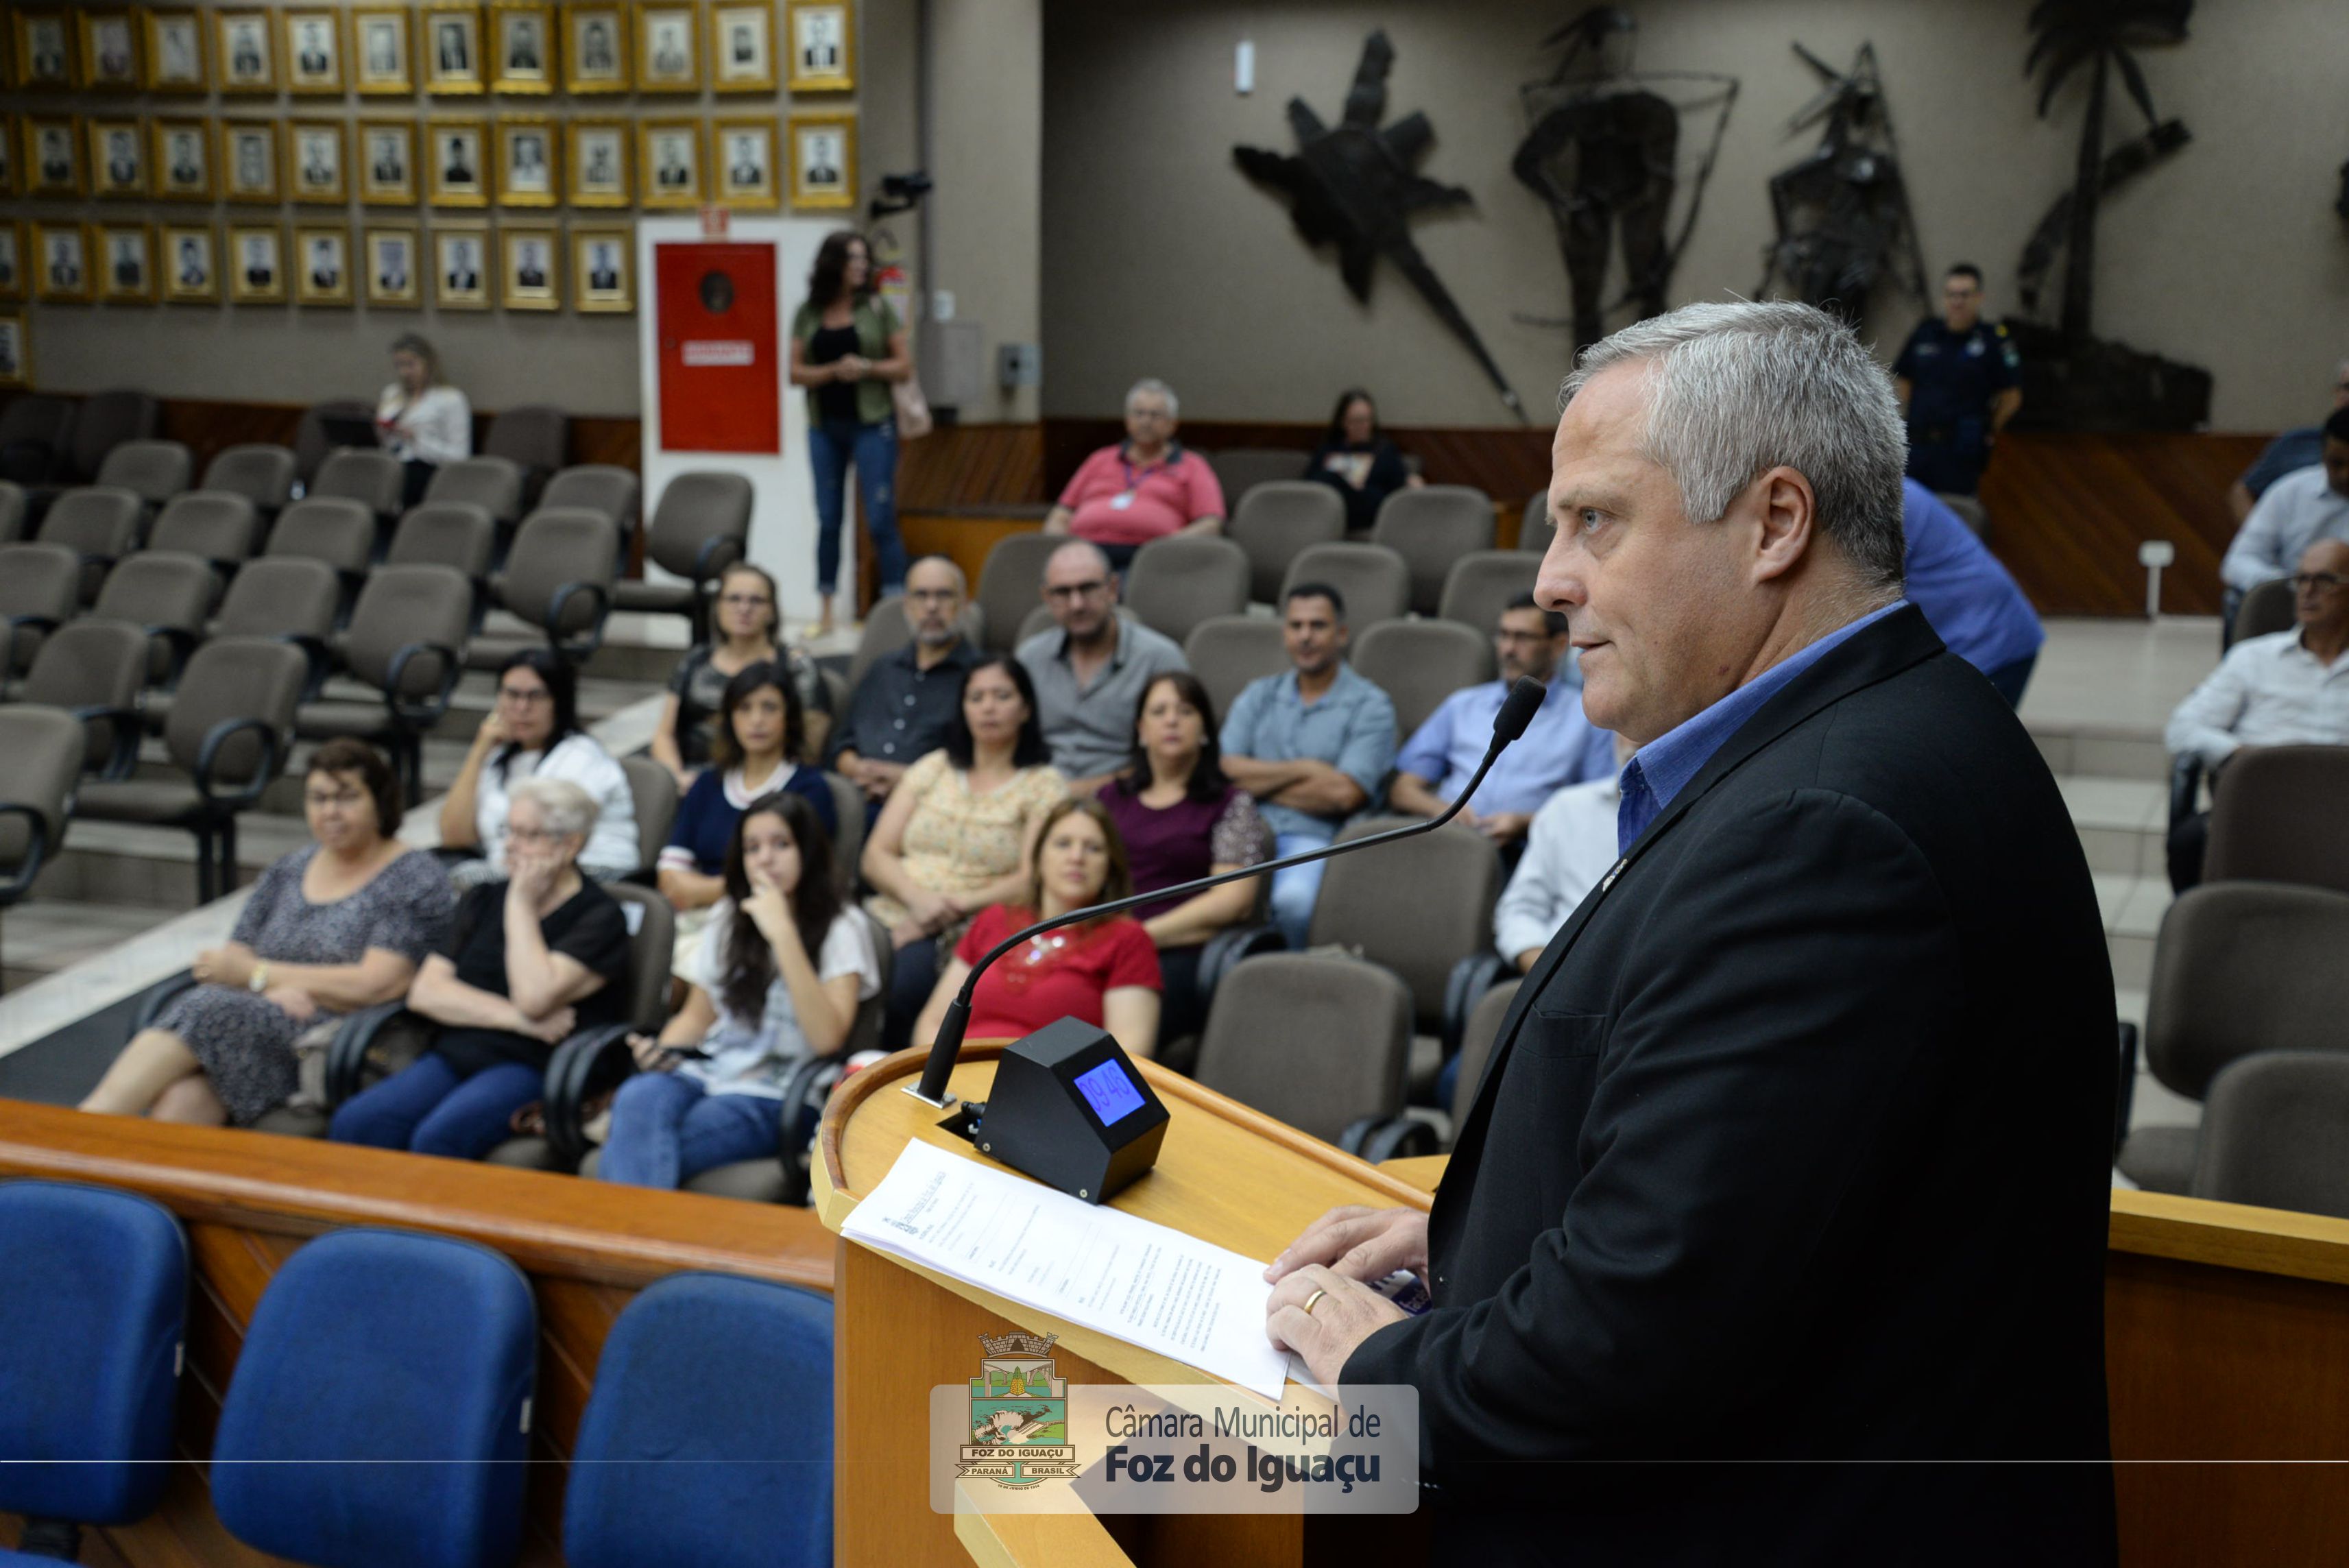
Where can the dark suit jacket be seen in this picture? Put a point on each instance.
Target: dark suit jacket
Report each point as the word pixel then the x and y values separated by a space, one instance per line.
pixel 1794 1147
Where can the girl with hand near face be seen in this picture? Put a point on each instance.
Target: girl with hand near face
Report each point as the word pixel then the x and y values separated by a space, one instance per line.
pixel 533 733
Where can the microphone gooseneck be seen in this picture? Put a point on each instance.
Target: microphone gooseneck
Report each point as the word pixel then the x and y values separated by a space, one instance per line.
pixel 1518 710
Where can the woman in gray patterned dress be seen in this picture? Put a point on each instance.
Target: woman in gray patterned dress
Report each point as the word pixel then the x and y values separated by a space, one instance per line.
pixel 340 925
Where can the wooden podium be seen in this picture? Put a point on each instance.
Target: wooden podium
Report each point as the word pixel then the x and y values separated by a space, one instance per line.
pixel 1225 1174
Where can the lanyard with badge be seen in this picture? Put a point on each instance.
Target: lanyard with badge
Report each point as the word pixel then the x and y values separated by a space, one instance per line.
pixel 1133 479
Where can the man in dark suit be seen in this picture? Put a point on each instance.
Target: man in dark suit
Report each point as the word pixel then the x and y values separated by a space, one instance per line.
pixel 1794 1146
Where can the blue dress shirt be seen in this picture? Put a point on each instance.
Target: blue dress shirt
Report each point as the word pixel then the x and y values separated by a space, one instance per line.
pixel 1967 597
pixel 1560 748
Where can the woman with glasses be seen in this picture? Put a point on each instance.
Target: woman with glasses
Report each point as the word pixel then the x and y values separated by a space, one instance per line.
pixel 745 635
pixel 1357 461
pixel 1144 488
pixel 533 733
pixel 527 963
pixel 335 926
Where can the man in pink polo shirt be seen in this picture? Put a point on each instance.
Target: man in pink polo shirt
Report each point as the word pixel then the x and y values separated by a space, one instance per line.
pixel 1145 488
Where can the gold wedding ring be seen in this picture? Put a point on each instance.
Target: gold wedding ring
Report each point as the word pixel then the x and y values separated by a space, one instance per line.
pixel 1311 1301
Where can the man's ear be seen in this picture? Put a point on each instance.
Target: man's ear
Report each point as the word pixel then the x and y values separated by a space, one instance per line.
pixel 1785 511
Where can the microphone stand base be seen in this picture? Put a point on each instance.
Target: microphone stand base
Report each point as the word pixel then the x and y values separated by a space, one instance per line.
pixel 914 1090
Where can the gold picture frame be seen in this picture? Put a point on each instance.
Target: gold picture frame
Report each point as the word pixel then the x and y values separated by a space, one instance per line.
pixel 53 155
pixel 317 162
pixel 313 38
pixel 117 157
pixel 530 171
pixel 522 44
pixel 821 37
pixel 257 263
pixel 451 44
pixel 11 260
pixel 246 51
pixel 176 50
pixel 322 265
pixel 383 51
pixel 668 47
pixel 742 46
pixel 394 267
pixel 462 270
pixel 16 351
pixel 61 263
pixel 42 48
pixel 387 162
pixel 595 36
pixel 187 264
pixel 742 163
pixel 125 253
pixel 670 160
pixel 822 151
pixel 250 157
pixel 182 159
pixel 110 50
pixel 595 158
pixel 603 270
pixel 456 154
pixel 530 266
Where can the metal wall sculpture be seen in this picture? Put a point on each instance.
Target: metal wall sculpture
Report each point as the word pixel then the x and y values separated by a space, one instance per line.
pixel 1842 213
pixel 1355 186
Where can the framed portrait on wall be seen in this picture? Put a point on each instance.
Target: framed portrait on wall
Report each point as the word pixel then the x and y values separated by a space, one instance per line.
pixel 110 50
pixel 823 161
pixel 249 159
pixel 189 266
pixel 668 47
pixel 322 266
pixel 16 352
pixel 603 262
pixel 598 162
pixel 257 263
pixel 61 252
pixel 126 263
pixel 248 56
pixel 11 259
pixel 117 158
pixel 532 267
pixel 669 153
pixel 314 51
pixel 457 169
pixel 382 52
pixel 43 38
pixel 387 163
pixel 395 274
pixel 527 176
pixel 744 163
pixel 742 46
pixel 52 156
pixel 595 47
pixel 522 44
pixel 175 51
pixel 183 160
pixel 314 156
pixel 461 267
pixel 452 49
pixel 821 34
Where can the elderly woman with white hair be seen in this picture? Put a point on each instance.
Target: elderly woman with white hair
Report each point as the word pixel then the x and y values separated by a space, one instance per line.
pixel 1144 488
pixel 529 961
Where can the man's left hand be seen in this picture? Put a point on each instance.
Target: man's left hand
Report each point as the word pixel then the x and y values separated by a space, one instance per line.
pixel 1348 1313
pixel 1505 826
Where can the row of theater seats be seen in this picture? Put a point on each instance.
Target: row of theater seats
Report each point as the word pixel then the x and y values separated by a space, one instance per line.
pixel 381 1405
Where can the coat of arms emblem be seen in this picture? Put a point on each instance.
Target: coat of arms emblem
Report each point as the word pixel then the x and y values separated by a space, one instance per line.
pixel 1019 1414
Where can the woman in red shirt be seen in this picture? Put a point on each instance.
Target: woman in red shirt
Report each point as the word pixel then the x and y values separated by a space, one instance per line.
pixel 1104 972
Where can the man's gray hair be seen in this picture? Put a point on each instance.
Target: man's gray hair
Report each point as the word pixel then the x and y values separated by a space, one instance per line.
pixel 1151 384
pixel 562 807
pixel 1736 390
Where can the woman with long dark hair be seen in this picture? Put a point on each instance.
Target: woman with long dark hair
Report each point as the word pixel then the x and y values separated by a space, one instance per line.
pixel 847 346
pixel 777 979
pixel 1357 461
pixel 533 733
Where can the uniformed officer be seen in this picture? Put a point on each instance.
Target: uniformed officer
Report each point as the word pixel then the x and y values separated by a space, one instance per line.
pixel 1959 379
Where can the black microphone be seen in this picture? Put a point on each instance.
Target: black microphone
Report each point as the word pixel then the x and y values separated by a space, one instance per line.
pixel 1525 700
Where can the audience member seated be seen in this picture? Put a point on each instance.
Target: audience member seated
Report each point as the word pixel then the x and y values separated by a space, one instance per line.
pixel 1312 745
pixel 2302 507
pixel 1102 972
pixel 2289 689
pixel 1180 819
pixel 1356 459
pixel 1091 668
pixel 2300 448
pixel 527 963
pixel 758 735
pixel 1966 595
pixel 956 833
pixel 1144 488
pixel 1560 747
pixel 1570 846
pixel 335 926
pixel 533 733
pixel 420 419
pixel 901 710
pixel 776 979
pixel 746 622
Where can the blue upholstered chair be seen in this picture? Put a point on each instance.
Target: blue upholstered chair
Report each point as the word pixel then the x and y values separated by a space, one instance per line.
pixel 413 1350
pixel 735 1374
pixel 93 1302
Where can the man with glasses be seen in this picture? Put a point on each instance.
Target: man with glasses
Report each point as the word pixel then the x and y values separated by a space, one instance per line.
pixel 2295 448
pixel 1146 487
pixel 903 707
pixel 1959 379
pixel 2297 510
pixel 2289 689
pixel 1091 669
pixel 1560 748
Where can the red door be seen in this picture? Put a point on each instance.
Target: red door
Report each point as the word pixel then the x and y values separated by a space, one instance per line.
pixel 720 378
